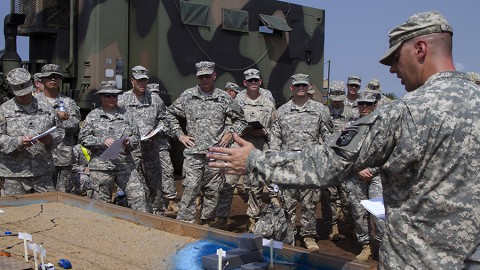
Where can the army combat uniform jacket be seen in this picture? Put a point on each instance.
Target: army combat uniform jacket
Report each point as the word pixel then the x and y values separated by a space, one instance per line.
pixel 206 117
pixel 428 147
pixel 15 123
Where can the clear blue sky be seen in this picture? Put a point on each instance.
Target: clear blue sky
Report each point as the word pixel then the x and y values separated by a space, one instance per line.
pixel 356 34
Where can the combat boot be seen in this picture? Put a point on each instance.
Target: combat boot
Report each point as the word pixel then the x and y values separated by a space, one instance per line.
pixel 365 254
pixel 221 223
pixel 310 243
pixel 334 233
pixel 251 224
pixel 172 206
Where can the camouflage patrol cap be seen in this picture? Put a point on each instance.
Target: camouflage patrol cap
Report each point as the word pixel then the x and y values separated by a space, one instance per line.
pixel 139 72
pixel 419 24
pixel 251 74
pixel 232 86
pixel 36 77
pixel 108 87
pixel 368 96
pixel 50 69
pixel 474 77
pixel 19 81
pixel 153 87
pixel 353 79
pixel 205 67
pixel 337 91
pixel 300 79
pixel 374 84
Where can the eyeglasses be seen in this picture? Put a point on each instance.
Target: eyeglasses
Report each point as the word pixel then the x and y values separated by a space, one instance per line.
pixel 204 76
pixel 365 103
pixel 354 85
pixel 253 80
pixel 301 85
pixel 110 95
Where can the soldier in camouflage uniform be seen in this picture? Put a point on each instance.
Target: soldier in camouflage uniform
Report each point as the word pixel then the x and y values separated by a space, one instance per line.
pixel 353 86
pixel 37 81
pixel 363 185
pixel 264 92
pixel 332 204
pixel 232 89
pixel 26 165
pixel 102 127
pixel 168 181
pixel 81 171
pixel 149 114
pixel 300 123
pixel 256 107
pixel 206 110
pixel 374 85
pixel 427 145
pixel 475 77
pixel 68 119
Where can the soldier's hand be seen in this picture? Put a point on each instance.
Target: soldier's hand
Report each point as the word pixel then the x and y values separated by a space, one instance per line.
pixel 108 142
pixel 365 175
pixel 225 141
pixel 26 141
pixel 63 115
pixel 187 141
pixel 231 160
pixel 47 139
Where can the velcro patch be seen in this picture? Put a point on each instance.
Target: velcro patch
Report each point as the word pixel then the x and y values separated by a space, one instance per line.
pixel 347 135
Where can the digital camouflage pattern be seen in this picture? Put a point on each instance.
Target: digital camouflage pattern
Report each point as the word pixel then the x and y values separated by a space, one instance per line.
pixel 208 118
pixel 98 126
pixel 262 110
pixel 149 115
pixel 428 167
pixel 297 128
pixel 63 154
pixel 80 172
pixel 273 224
pixel 159 36
pixel 358 190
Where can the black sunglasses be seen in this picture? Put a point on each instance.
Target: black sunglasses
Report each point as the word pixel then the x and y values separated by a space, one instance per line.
pixel 253 80
pixel 53 77
pixel 110 95
pixel 365 103
pixel 301 85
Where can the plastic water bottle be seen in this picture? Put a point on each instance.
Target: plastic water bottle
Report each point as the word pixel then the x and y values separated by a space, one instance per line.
pixel 61 106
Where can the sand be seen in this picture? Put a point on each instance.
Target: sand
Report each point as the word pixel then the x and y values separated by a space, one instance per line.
pixel 87 239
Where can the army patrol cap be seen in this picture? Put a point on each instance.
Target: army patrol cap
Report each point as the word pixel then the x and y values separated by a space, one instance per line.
pixel 50 69
pixel 232 86
pixel 205 68
pixel 474 77
pixel 354 80
pixel 374 84
pixel 108 87
pixel 20 82
pixel 153 87
pixel 368 96
pixel 251 74
pixel 419 24
pixel 139 72
pixel 300 79
pixel 337 91
pixel 36 77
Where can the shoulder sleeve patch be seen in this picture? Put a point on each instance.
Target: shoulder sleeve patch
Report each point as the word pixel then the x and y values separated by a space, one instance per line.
pixel 347 135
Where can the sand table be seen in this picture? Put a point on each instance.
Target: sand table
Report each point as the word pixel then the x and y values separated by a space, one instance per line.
pixel 87 239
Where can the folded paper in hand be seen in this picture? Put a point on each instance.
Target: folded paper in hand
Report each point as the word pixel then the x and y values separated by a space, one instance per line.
pixel 114 149
pixel 52 129
pixel 375 206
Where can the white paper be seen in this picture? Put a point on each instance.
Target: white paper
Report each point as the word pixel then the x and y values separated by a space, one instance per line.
pixel 52 129
pixel 114 149
pixel 151 134
pixel 276 244
pixel 375 206
pixel 25 236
